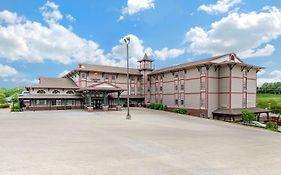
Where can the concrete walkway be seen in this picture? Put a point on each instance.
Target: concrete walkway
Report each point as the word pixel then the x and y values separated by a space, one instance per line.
pixel 153 142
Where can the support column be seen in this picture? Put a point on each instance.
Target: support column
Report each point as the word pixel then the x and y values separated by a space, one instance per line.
pixel 90 107
pixel 105 105
pixel 118 107
pixel 118 98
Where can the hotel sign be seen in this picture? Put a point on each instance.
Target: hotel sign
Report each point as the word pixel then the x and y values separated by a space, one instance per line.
pixel 95 77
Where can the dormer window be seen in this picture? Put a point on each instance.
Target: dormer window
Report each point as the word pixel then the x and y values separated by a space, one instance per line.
pixel 232 57
pixel 56 92
pixel 41 91
pixel 69 92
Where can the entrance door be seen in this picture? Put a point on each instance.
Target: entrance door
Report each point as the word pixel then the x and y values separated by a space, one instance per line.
pixel 97 103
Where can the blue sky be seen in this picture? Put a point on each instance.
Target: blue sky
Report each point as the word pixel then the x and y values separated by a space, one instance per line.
pixel 46 38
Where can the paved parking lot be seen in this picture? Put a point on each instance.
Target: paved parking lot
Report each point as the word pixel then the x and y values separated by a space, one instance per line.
pixel 153 142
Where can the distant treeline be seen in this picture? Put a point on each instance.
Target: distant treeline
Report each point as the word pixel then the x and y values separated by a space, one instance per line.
pixel 270 88
pixel 4 93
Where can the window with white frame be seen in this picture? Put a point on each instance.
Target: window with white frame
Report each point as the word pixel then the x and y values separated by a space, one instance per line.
pixel 176 87
pixel 182 102
pixel 182 87
pixel 176 102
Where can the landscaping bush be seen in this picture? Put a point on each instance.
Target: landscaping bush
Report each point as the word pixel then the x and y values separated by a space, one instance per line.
pixel 15 107
pixel 180 110
pixel 272 126
pixel 157 106
pixel 164 108
pixel 248 117
pixel 151 105
pixel 4 105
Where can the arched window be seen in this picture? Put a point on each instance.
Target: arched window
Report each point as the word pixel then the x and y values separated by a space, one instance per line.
pixel 56 92
pixel 69 92
pixel 41 91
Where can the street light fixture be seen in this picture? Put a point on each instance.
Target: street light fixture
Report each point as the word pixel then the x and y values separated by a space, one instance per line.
pixel 127 42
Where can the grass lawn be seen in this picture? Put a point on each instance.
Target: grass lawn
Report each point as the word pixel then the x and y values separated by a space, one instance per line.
pixel 263 99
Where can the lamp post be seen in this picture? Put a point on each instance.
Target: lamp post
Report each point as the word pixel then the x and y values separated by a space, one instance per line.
pixel 127 42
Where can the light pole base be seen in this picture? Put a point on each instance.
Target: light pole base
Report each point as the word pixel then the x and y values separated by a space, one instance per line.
pixel 128 117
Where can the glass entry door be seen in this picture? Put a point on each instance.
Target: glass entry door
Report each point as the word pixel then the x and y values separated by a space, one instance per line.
pixel 97 103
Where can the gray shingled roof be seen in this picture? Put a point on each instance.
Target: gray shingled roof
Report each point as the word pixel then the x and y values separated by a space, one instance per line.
pixel 109 69
pixel 44 96
pixel 185 65
pixel 56 83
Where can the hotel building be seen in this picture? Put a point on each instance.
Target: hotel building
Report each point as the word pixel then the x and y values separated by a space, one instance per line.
pixel 202 87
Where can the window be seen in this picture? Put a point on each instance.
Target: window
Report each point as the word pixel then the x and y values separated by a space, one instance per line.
pixel 182 102
pixel 58 102
pixel 176 75
pixel 56 92
pixel 182 87
pixel 41 91
pixel 161 88
pixel 176 87
pixel 69 92
pixel 161 101
pixel 132 78
pixel 41 102
pixel 83 75
pixel 106 76
pixel 202 102
pixel 176 102
pixel 113 77
pixel 202 85
pixel 70 102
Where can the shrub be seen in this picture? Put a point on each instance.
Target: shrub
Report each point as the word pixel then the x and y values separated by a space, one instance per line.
pixel 180 110
pixel 248 117
pixel 15 107
pixel 164 108
pixel 272 126
pixel 151 105
pixel 4 105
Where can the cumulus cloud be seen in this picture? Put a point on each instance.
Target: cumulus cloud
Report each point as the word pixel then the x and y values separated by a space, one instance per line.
pixel 70 18
pixel 50 12
pixel 63 73
pixel 247 34
pixel 271 77
pixel 25 40
pixel 22 39
pixel 7 71
pixel 222 6
pixel 135 6
pixel 166 53
pixel 136 50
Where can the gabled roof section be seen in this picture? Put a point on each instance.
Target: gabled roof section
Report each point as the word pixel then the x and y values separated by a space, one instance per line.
pixel 230 58
pixel 145 58
pixel 45 82
pixel 107 69
pixel 104 86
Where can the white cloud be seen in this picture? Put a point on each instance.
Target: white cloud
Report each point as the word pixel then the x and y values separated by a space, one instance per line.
pixel 50 12
pixel 222 6
pixel 63 73
pixel 243 33
pixel 276 74
pixel 271 77
pixel 166 53
pixel 136 51
pixel 266 51
pixel 7 71
pixel 70 18
pixel 135 6
pixel 261 72
pixel 22 39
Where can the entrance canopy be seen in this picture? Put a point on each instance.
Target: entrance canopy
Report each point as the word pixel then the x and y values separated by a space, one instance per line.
pixel 103 87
